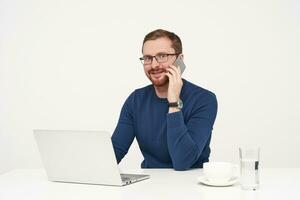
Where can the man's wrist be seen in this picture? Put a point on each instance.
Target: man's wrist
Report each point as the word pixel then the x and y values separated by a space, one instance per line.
pixel 173 109
pixel 177 105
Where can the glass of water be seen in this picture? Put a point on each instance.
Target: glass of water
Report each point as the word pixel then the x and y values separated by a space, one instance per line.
pixel 249 168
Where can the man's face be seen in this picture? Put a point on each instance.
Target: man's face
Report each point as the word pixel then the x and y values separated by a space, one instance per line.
pixel 156 71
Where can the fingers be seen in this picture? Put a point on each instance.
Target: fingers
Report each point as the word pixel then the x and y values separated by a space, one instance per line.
pixel 177 69
pixel 174 73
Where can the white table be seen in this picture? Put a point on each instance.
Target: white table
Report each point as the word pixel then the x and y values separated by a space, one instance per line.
pixel 164 184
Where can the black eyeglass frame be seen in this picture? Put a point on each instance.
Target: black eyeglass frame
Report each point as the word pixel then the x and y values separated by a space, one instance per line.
pixel 167 54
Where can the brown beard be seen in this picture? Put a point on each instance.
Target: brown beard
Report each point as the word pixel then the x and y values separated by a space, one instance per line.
pixel 161 82
pixel 158 82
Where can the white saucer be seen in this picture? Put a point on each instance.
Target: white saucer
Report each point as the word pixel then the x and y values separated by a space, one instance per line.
pixel 204 181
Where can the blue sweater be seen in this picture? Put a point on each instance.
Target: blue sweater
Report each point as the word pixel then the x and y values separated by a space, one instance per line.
pixel 177 140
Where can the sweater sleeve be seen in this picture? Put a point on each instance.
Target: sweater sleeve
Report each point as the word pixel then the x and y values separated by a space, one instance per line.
pixel 186 141
pixel 123 135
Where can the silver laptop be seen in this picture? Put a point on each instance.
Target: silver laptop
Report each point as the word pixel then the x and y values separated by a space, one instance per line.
pixel 81 157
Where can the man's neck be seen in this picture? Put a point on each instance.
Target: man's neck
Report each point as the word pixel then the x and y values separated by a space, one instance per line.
pixel 161 91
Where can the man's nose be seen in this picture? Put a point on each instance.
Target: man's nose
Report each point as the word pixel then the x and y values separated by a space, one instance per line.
pixel 154 63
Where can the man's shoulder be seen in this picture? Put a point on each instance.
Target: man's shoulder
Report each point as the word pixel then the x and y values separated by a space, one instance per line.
pixel 197 96
pixel 144 89
pixel 194 89
pixel 141 92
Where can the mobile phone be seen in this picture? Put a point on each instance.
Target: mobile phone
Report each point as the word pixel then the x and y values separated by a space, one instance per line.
pixel 179 63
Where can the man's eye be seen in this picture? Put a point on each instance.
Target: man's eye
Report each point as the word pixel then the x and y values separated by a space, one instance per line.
pixel 147 58
pixel 162 56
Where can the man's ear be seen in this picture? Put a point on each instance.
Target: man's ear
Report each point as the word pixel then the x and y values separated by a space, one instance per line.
pixel 181 56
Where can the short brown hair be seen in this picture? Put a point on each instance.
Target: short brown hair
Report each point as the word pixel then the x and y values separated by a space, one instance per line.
pixel 160 33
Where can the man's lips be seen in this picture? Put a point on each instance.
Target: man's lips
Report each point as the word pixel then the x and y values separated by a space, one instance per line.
pixel 157 73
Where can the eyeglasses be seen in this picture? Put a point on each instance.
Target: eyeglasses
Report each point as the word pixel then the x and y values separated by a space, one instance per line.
pixel 160 58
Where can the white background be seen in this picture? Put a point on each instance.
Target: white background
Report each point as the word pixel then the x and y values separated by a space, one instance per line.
pixel 70 64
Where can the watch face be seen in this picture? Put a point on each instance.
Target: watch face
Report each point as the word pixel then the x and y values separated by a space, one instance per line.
pixel 180 104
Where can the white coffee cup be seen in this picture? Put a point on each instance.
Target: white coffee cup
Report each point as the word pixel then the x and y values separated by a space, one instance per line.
pixel 219 172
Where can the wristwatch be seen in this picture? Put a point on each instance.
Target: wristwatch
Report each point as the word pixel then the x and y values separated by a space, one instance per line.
pixel 178 104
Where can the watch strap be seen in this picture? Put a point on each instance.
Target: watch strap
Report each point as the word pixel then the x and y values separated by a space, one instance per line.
pixel 173 104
